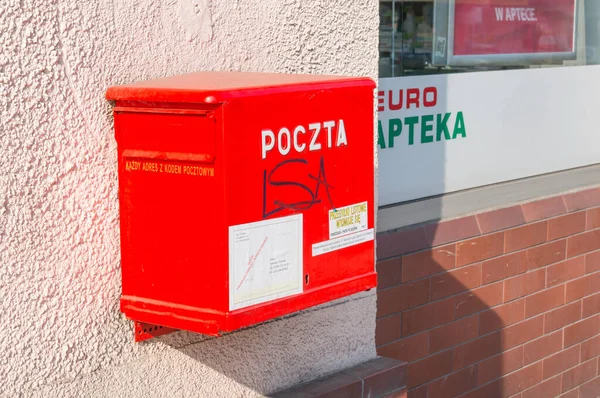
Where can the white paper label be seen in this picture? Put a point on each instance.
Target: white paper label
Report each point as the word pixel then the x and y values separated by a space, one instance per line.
pixel 348 220
pixel 440 47
pixel 265 261
pixel 343 242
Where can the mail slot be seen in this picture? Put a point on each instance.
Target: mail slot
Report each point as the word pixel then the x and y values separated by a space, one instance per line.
pixel 243 196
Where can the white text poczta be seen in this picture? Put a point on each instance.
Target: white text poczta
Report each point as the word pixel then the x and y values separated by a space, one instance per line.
pixel 301 138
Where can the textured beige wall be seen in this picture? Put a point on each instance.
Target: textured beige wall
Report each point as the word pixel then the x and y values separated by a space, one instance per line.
pixel 62 333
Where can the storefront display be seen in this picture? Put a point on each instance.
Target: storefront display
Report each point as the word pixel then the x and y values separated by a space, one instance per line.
pixel 446 36
pixel 456 130
pixel 505 32
pixel 405 36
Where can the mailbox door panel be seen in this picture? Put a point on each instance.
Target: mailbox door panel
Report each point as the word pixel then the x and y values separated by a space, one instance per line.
pixel 307 154
pixel 171 202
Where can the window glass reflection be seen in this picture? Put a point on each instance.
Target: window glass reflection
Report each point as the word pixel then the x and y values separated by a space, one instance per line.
pixel 453 36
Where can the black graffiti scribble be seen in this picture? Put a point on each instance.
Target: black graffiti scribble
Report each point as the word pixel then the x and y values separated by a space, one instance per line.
pixel 276 178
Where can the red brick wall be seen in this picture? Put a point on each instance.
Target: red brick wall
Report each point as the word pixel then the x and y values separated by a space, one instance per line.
pixel 500 304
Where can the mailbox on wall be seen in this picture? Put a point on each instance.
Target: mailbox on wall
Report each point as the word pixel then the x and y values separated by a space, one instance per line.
pixel 243 196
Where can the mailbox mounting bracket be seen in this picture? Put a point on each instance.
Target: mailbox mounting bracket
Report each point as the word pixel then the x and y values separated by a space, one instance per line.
pixel 145 331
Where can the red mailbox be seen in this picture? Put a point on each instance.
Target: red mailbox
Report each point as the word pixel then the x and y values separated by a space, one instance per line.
pixel 243 196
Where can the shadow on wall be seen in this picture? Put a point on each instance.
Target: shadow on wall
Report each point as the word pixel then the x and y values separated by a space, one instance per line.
pixel 432 308
pixel 432 311
pixel 278 354
pixel 500 304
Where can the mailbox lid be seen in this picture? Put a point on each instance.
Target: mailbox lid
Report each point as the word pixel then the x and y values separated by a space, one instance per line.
pixel 215 87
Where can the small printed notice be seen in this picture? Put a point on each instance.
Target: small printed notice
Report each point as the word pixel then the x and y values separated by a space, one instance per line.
pixel 265 261
pixel 440 46
pixel 348 220
pixel 342 242
pixel 161 167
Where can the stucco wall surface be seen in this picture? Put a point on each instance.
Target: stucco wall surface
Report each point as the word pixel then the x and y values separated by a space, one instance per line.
pixel 62 333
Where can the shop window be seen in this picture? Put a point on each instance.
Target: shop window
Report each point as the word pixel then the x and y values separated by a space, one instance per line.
pixel 452 36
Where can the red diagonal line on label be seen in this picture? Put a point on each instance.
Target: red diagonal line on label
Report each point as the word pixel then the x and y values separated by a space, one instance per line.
pixel 251 262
